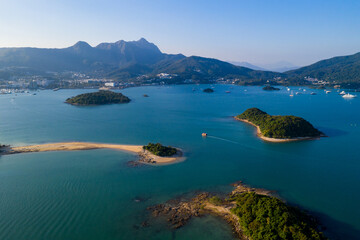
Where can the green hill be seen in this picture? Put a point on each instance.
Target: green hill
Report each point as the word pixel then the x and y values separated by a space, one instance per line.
pixel 284 127
pixel 265 217
pixel 337 70
pixel 98 98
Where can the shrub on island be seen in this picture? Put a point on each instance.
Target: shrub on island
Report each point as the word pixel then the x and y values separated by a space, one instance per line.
pixel 160 150
pixel 265 217
pixel 270 88
pixel 98 98
pixel 279 126
pixel 208 90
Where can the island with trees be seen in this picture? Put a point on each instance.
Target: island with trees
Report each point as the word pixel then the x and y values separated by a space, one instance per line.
pixel 253 213
pixel 98 98
pixel 160 150
pixel 279 128
pixel 271 88
pixel 208 90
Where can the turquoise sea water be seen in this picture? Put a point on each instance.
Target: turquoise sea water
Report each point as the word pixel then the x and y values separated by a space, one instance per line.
pixel 90 194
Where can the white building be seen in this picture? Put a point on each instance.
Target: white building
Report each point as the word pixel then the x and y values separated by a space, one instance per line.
pixel 110 84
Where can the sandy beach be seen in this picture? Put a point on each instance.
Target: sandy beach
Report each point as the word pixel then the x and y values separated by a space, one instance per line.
pixel 144 156
pixel 275 140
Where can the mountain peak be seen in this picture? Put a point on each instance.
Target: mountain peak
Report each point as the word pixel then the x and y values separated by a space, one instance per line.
pixel 143 40
pixel 81 45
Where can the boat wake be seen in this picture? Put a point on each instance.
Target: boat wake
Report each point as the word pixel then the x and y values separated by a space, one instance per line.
pixel 223 139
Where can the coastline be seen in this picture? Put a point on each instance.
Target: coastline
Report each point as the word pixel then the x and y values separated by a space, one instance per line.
pixel 144 156
pixel 179 212
pixel 275 140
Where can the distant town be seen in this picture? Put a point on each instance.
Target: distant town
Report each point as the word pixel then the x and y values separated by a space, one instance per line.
pixel 78 80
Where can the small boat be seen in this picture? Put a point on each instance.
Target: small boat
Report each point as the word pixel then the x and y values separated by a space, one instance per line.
pixel 228 92
pixel 342 93
pixel 313 93
pixel 326 91
pixel 292 94
pixel 288 89
pixel 298 93
pixel 204 134
pixel 348 95
pixel 56 89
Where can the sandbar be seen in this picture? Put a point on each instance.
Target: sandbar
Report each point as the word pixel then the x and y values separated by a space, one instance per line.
pixel 144 156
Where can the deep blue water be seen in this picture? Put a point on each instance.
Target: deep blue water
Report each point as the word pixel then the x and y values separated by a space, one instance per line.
pixel 90 194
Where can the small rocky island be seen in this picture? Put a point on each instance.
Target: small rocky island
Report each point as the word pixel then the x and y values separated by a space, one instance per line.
pixel 160 150
pixel 157 153
pixel 279 128
pixel 253 214
pixel 271 88
pixel 98 98
pixel 208 90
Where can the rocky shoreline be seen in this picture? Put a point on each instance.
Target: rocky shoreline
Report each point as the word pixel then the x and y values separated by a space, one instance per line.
pixel 179 212
pixel 147 157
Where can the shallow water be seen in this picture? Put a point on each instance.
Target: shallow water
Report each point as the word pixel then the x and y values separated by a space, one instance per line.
pixel 90 194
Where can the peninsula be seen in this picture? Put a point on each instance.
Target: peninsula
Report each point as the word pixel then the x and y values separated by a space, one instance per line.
pixel 253 214
pixel 279 128
pixel 144 155
pixel 98 98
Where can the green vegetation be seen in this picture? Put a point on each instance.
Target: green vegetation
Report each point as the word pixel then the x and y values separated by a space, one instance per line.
pixel 208 90
pixel 279 126
pixel 217 201
pixel 160 150
pixel 98 98
pixel 270 88
pixel 264 217
pixel 344 70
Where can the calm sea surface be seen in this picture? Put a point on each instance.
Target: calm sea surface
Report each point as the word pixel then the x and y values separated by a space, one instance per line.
pixel 90 194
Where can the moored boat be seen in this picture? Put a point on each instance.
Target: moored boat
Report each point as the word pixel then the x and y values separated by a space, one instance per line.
pixel 348 95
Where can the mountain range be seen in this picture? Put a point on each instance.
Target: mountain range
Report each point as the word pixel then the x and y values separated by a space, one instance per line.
pixel 275 67
pixel 126 60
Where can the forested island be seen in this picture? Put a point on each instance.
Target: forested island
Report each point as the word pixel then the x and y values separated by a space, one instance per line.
pixel 160 150
pixel 208 90
pixel 270 88
pixel 279 128
pixel 98 98
pixel 253 213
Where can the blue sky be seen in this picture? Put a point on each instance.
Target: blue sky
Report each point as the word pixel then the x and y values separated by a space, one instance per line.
pixel 256 31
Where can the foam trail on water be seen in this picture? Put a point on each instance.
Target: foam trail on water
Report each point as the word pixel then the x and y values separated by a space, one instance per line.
pixel 223 139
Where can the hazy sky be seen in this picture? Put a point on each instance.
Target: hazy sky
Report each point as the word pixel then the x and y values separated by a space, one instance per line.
pixel 257 31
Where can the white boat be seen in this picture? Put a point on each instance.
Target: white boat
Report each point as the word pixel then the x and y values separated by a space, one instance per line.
pixel 342 93
pixel 313 93
pixel 288 89
pixel 298 93
pixel 348 95
pixel 327 92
